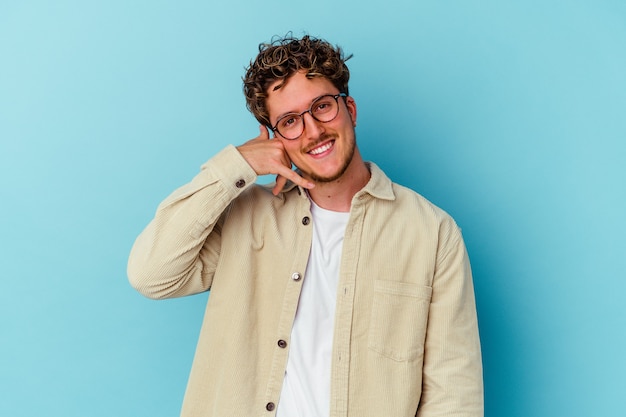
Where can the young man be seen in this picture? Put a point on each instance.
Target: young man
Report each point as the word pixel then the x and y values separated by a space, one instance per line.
pixel 334 292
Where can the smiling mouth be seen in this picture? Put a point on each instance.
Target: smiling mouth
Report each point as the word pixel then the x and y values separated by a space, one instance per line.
pixel 321 149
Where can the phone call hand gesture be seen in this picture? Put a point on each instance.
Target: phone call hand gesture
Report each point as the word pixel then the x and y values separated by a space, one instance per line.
pixel 268 156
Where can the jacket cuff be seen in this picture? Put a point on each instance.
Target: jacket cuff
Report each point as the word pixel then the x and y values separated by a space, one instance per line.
pixel 232 170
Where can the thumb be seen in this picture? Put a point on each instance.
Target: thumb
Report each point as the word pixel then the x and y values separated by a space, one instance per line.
pixel 264 133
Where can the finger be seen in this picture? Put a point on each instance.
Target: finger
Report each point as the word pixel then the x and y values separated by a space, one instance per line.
pixel 289 174
pixel 280 184
pixel 264 133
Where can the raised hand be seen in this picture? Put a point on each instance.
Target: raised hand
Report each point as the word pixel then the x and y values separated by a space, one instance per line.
pixel 267 156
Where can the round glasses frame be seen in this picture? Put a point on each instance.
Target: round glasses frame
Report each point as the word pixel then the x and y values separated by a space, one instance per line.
pixel 298 118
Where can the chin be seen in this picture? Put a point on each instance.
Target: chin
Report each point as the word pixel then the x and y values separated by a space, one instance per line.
pixel 330 177
pixel 326 177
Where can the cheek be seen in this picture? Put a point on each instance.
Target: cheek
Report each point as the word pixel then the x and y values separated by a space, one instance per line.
pixel 291 148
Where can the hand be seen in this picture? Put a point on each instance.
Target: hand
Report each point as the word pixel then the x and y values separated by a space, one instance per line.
pixel 268 156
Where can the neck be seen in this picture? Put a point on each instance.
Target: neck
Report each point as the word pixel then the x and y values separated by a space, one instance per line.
pixel 337 195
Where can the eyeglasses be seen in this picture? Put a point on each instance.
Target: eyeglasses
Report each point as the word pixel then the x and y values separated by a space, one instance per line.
pixel 323 109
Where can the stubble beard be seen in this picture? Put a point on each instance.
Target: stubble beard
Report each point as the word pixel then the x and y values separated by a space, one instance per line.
pixel 342 170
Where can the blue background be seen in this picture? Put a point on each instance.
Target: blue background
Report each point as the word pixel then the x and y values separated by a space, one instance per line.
pixel 508 114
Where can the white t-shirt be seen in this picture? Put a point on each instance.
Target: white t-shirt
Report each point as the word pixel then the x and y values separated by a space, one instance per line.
pixel 306 388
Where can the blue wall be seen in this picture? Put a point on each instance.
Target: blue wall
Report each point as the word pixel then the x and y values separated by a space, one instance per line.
pixel 508 114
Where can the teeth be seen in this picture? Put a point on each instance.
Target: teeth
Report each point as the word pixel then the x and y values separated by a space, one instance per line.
pixel 321 149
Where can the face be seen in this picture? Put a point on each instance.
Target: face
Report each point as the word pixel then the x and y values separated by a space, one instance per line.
pixel 324 151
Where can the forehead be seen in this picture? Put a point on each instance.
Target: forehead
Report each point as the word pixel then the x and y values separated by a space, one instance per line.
pixel 296 93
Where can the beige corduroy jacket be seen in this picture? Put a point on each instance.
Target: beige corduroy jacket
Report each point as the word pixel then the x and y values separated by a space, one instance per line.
pixel 406 336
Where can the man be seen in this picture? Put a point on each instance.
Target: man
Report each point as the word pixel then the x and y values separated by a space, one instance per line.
pixel 334 292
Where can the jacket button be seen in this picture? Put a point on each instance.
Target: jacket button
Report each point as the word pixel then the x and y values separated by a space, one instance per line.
pixel 296 276
pixel 306 220
pixel 240 183
pixel 270 406
pixel 282 344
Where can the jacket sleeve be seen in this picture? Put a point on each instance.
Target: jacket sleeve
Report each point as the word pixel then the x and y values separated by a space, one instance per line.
pixel 177 253
pixel 452 383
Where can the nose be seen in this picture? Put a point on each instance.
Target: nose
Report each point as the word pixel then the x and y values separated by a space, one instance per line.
pixel 312 128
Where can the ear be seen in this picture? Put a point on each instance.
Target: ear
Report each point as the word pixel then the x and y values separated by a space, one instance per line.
pixel 351 105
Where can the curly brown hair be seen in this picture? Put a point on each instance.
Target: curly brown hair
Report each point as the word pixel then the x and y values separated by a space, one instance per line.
pixel 283 57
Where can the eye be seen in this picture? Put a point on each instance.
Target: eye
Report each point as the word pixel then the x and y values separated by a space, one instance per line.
pixel 323 106
pixel 288 121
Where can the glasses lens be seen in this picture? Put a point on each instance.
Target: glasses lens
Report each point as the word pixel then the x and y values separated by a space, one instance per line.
pixel 325 108
pixel 290 126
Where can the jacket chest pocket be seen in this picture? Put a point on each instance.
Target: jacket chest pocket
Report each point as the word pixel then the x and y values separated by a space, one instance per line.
pixel 399 318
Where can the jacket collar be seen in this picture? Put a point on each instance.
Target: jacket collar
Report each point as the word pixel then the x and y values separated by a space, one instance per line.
pixel 379 186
